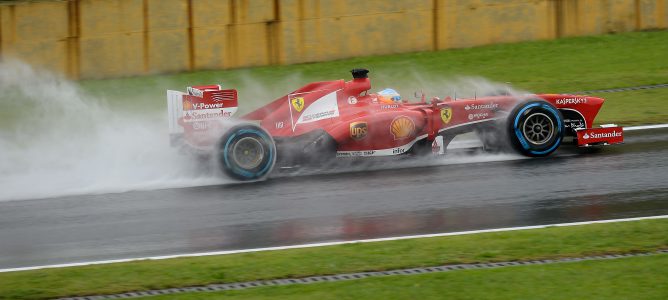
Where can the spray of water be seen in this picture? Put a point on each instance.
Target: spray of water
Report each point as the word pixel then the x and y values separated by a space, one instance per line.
pixel 63 142
pixel 56 140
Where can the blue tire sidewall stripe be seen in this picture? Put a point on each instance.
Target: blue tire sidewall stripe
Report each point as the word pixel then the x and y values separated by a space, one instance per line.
pixel 520 136
pixel 243 172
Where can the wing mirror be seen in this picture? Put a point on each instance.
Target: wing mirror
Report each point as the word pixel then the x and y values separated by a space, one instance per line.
pixel 420 95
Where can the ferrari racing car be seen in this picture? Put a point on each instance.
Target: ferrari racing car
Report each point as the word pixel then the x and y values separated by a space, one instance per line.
pixel 334 120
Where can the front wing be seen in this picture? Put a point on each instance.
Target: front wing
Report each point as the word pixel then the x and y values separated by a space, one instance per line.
pixel 604 135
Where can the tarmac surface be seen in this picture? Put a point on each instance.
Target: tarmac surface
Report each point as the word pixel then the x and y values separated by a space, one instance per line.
pixel 471 192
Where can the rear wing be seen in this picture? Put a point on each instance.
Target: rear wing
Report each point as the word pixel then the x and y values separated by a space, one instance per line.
pixel 174 111
pixel 199 109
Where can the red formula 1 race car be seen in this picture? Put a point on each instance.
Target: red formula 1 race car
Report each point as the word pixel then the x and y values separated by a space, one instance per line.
pixel 334 120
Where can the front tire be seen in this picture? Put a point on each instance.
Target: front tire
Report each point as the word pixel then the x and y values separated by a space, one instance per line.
pixel 535 128
pixel 246 152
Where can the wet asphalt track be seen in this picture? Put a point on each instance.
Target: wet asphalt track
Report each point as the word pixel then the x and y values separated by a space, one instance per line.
pixel 630 180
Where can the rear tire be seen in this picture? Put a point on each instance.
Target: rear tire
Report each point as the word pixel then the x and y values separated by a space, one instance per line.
pixel 246 152
pixel 535 128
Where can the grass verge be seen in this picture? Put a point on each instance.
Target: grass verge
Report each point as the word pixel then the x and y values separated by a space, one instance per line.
pixel 545 243
pixel 563 65
pixel 569 64
pixel 628 278
pixel 634 107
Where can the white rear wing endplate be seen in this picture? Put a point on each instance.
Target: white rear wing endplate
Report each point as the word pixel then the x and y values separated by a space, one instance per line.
pixel 175 111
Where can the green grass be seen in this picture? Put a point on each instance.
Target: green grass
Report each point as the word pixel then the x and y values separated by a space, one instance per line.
pixel 563 65
pixel 570 64
pixel 554 242
pixel 628 278
pixel 634 107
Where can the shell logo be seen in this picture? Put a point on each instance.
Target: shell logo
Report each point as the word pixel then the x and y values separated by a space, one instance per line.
pixel 402 127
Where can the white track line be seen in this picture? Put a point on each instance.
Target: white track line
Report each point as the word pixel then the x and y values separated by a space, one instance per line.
pixel 644 127
pixel 329 243
pixel 632 128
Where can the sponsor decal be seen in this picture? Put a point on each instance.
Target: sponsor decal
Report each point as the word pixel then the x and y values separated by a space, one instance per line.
pixel 194 106
pixel 574 124
pixel 352 100
pixel 382 152
pixel 402 127
pixel 390 106
pixel 446 114
pixel 481 106
pixel 317 116
pixel 355 153
pixel 206 114
pixel 201 125
pixel 477 116
pixel 399 150
pixel 280 125
pixel 324 108
pixel 358 130
pixel 374 100
pixel 195 92
pixel 594 135
pixel 576 100
pixel 298 103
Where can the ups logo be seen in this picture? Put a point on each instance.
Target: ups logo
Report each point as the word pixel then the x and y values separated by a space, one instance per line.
pixel 358 130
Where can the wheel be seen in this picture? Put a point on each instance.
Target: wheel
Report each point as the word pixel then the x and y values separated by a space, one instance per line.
pixel 535 128
pixel 246 152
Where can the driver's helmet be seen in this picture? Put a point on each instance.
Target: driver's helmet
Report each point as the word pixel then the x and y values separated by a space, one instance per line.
pixel 389 96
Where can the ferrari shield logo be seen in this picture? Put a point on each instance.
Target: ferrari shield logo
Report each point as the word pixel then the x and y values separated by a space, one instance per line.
pixel 446 114
pixel 298 103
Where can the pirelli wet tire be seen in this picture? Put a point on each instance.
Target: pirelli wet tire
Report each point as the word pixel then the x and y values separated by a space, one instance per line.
pixel 246 152
pixel 535 128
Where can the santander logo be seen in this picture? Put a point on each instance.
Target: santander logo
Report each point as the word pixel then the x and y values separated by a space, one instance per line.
pixel 481 106
pixel 602 135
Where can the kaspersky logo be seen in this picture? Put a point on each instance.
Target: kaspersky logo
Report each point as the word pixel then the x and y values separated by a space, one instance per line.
pixel 576 100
